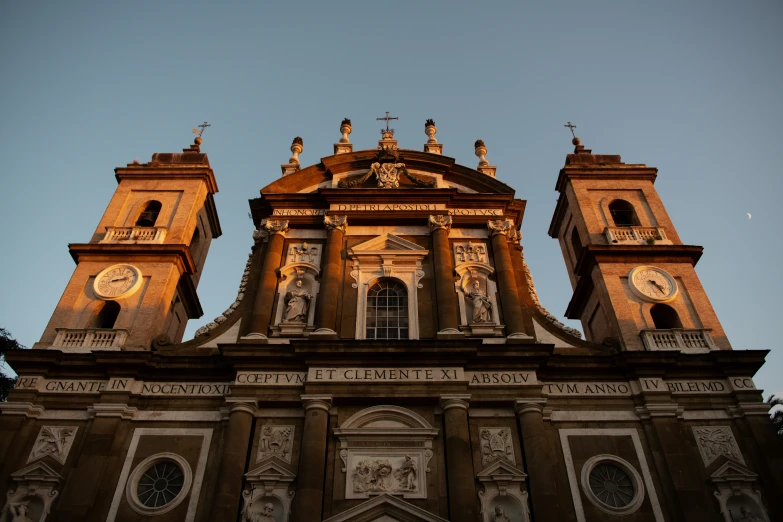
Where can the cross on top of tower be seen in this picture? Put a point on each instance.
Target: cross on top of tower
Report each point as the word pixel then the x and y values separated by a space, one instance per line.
pixel 387 118
pixel 571 127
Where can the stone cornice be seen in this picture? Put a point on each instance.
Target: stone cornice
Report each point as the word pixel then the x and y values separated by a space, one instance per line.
pixel 111 252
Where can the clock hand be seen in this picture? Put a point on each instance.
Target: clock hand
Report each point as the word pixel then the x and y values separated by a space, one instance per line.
pixel 118 279
pixel 656 285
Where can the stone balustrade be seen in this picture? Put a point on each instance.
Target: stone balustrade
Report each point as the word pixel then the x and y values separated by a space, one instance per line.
pixel 105 338
pixel 695 340
pixel 635 235
pixel 132 235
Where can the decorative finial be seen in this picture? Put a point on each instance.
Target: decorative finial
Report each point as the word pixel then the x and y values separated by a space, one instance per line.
pixel 296 149
pixel 571 127
pixel 430 129
pixel 388 133
pixel 345 129
pixel 199 131
pixel 481 152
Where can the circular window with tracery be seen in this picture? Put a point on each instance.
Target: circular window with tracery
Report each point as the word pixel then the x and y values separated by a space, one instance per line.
pixel 158 484
pixel 612 485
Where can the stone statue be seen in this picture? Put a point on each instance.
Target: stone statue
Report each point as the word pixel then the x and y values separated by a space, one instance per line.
pixel 406 474
pixel 482 306
pixel 266 514
pixel 745 511
pixel 297 301
pixel 19 511
pixel 500 515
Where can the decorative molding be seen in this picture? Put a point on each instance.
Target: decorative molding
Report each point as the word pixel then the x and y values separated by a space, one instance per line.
pixel 276 441
pixel 54 442
pixel 123 411
pixel 439 222
pixel 716 441
pixel 496 444
pixel 385 508
pixel 607 432
pixel 28 409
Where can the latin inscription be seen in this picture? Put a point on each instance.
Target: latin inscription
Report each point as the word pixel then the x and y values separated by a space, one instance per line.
pixel 299 212
pixel 271 378
pixel 697 386
pixel 182 388
pixel 587 388
pixel 385 374
pixel 499 378
pixel 73 386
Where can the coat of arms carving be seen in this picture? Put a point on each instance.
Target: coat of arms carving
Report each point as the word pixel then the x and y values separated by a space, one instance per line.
pixel 276 441
pixel 53 441
pixel 496 444
pixel 387 168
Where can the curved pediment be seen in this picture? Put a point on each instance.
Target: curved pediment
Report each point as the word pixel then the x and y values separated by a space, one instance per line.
pixel 384 417
pixel 355 170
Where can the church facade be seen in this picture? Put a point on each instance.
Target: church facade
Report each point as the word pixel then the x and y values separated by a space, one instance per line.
pixel 387 358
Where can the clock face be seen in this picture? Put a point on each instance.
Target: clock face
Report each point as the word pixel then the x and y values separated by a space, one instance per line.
pixel 653 284
pixel 117 281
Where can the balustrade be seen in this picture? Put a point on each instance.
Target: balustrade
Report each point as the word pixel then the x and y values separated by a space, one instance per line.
pixel 109 339
pixel 695 340
pixel 635 235
pixel 134 235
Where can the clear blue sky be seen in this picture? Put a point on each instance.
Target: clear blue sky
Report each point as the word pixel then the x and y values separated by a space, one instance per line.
pixel 692 88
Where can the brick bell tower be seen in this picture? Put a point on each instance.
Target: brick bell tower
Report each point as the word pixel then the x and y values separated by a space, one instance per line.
pixel 136 279
pixel 634 280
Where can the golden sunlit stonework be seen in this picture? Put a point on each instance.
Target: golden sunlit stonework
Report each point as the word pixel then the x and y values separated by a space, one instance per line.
pixel 387 357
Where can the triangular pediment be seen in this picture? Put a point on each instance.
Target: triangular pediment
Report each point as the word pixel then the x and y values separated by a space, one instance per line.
pixel 385 508
pixel 271 469
pixel 387 242
pixel 501 467
pixel 732 470
pixel 37 470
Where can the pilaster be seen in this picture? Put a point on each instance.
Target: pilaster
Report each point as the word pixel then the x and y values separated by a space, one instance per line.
pixel 308 503
pixel 440 226
pixel 459 459
pixel 264 302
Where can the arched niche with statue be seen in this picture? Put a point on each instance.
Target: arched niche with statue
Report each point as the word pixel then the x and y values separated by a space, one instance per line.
pixel 476 291
pixel 297 292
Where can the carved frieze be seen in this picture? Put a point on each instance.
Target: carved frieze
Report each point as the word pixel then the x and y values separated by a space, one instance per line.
pixel 276 441
pixel 496 444
pixel 386 475
pixel 53 441
pixel 470 252
pixel 714 441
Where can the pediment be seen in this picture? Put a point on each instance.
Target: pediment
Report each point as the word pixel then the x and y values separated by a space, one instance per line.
pixel 731 470
pixel 36 471
pixel 385 508
pixel 501 468
pixel 386 243
pixel 272 469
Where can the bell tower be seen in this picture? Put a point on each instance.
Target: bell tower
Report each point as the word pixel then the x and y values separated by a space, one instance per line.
pixel 136 278
pixel 634 280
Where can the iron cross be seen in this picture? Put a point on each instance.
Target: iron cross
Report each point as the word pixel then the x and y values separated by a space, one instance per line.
pixel 571 127
pixel 387 118
pixel 203 127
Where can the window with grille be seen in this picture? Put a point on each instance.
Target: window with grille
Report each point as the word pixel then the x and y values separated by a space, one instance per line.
pixel 387 310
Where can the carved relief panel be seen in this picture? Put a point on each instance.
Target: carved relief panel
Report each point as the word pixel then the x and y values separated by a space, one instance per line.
pixel 470 252
pixel 714 441
pixel 276 441
pixel 496 444
pixel 304 253
pixel 53 441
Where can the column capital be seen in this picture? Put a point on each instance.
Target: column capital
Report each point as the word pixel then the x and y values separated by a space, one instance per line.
pixel 500 226
pixel 338 222
pixel 274 226
pixel 522 406
pixel 243 404
pixel 455 401
pixel 320 402
pixel 438 222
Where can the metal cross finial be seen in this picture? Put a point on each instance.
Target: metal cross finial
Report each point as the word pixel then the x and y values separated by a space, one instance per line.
pixel 387 118
pixel 571 127
pixel 203 127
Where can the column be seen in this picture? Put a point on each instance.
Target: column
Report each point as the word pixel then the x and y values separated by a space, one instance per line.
pixel 540 460
pixel 228 493
pixel 326 306
pixel 507 284
pixel 267 281
pixel 444 279
pixel 308 502
pixel 459 459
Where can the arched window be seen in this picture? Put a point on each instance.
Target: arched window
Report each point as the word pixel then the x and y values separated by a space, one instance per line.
pixel 195 245
pixel 107 316
pixel 623 213
pixel 149 215
pixel 387 310
pixel 665 317
pixel 576 245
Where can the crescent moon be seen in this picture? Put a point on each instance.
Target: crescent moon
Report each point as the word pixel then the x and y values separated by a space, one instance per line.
pixel 749 216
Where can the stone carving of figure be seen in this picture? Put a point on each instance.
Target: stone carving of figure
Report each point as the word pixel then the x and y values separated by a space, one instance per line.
pixel 406 474
pixel 482 306
pixel 372 475
pixel 266 514
pixel 297 301
pixel 500 515
pixel 747 515
pixel 20 511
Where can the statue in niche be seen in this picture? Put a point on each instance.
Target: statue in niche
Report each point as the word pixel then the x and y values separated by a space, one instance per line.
pixel 500 515
pixel 482 306
pixel 406 474
pixel 19 511
pixel 297 303
pixel 747 515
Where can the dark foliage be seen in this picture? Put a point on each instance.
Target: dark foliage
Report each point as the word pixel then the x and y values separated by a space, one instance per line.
pixel 777 415
pixel 7 343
